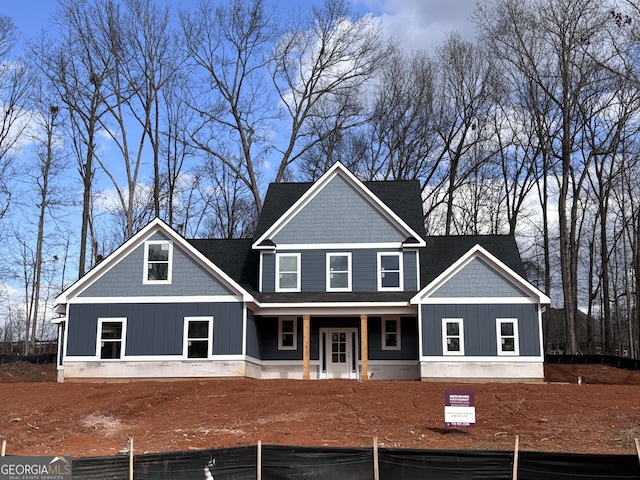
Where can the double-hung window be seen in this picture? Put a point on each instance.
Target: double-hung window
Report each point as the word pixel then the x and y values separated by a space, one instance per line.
pixel 287 272
pixel 287 334
pixel 507 334
pixel 390 271
pixel 339 272
pixel 452 336
pixel 111 340
pixel 158 256
pixel 391 334
pixel 198 337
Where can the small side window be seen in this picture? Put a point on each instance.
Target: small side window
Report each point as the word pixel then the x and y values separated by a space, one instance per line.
pixel 391 334
pixel 198 337
pixel 507 335
pixel 452 336
pixel 111 333
pixel 287 334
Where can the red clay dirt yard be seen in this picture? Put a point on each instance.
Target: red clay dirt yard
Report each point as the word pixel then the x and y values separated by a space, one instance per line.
pixel 41 417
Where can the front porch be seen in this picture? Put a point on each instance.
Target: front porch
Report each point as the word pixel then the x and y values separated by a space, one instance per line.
pixel 352 347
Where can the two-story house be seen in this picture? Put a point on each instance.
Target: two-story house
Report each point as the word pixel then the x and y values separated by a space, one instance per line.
pixel 339 281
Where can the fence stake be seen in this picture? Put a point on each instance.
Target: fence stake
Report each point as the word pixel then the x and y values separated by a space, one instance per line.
pixel 376 470
pixel 130 458
pixel 515 458
pixel 259 466
pixel 4 447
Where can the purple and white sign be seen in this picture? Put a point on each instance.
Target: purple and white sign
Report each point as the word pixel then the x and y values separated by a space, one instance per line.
pixel 459 408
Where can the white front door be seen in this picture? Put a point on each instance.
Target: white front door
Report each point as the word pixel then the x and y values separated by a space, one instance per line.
pixel 339 349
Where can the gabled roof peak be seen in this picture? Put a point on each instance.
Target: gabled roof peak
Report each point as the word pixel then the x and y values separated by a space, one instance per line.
pixel 401 205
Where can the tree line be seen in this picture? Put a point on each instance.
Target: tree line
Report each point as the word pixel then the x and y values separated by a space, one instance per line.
pixel 126 110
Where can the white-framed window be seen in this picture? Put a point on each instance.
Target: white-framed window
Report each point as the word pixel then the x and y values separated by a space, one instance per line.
pixel 111 338
pixel 287 272
pixel 507 335
pixel 391 334
pixel 158 259
pixel 339 272
pixel 287 334
pixel 390 271
pixel 452 336
pixel 198 337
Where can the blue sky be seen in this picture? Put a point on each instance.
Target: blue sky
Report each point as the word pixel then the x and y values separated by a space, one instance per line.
pixel 417 23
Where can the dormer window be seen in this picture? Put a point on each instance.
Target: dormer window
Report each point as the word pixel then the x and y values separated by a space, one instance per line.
pixel 158 257
pixel 390 271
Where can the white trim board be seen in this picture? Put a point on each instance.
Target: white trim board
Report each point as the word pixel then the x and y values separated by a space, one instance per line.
pixel 487 359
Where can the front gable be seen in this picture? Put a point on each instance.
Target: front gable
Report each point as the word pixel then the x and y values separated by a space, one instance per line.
pixel 479 275
pixel 126 278
pixel 339 213
pixel 478 279
pixel 122 273
pixel 338 210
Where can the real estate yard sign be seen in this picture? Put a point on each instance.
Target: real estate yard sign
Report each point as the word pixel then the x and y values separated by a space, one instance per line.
pixel 459 408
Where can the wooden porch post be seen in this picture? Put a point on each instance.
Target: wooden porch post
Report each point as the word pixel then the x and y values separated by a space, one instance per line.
pixel 306 346
pixel 364 347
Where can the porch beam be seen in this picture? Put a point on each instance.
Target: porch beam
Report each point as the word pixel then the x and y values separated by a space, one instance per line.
pixel 306 346
pixel 364 348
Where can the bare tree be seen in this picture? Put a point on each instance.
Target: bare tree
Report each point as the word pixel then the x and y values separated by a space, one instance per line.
pixel 77 67
pixel 549 43
pixel 323 60
pixel 467 80
pixel 15 82
pixel 152 63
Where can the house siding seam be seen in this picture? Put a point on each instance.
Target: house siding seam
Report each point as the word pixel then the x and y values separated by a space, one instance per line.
pixel 477 279
pixel 360 223
pixel 125 279
pixel 480 328
pixel 155 329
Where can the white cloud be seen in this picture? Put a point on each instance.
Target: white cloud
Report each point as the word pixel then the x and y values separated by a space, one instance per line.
pixel 423 24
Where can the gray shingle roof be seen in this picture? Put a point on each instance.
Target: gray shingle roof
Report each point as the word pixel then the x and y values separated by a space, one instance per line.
pixel 235 257
pixel 240 262
pixel 442 251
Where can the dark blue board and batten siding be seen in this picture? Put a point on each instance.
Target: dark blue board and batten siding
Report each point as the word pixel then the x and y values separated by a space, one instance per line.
pixel 155 328
pixel 479 321
pixel 364 268
pixel 125 279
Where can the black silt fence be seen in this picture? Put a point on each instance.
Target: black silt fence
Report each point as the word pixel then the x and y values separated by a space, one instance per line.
pixel 609 360
pixel 293 463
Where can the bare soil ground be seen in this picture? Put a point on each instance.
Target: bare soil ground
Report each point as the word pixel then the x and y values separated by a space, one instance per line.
pixel 41 417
